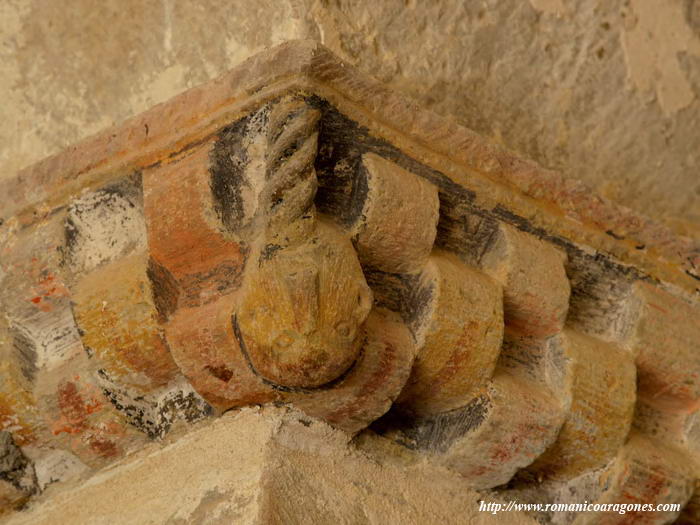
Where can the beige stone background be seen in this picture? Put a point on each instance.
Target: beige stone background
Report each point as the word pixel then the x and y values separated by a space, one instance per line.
pixel 606 91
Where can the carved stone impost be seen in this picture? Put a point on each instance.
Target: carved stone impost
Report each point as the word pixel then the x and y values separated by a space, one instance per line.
pixel 294 233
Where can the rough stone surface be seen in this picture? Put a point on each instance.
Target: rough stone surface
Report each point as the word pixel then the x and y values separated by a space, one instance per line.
pixel 403 244
pixel 235 247
pixel 516 426
pixel 550 90
pixel 667 359
pixel 459 335
pixel 268 467
pixel 535 285
pixel 603 388
pixel 17 477
pixel 643 473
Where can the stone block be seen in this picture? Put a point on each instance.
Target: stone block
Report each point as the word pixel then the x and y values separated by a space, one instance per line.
pixel 53 397
pixel 665 341
pixel 403 243
pixel 193 260
pixel 644 473
pixel 602 390
pixel 513 424
pixel 459 331
pixel 535 286
pixel 266 466
pixel 295 234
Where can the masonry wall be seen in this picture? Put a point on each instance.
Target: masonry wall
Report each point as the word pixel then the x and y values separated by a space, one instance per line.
pixel 607 92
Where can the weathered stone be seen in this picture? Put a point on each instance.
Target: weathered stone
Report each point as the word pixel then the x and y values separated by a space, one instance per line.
pixel 602 303
pixel 141 271
pixel 62 404
pixel 665 342
pixel 627 490
pixel 11 498
pixel 112 299
pixel 602 382
pixel 512 424
pixel 535 286
pixel 288 469
pixel 301 309
pixel 402 244
pixel 193 260
pixel 103 225
pixel 646 474
pixel 36 300
pixel 459 333
pixel 691 513
pixel 114 309
pixel 17 477
pixel 18 411
pixel 679 428
pixel 26 412
pixel 368 389
pixel 549 90
pixel 162 132
pixel 81 419
pixel 262 175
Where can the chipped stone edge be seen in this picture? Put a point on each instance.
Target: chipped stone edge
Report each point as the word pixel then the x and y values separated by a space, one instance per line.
pixel 544 198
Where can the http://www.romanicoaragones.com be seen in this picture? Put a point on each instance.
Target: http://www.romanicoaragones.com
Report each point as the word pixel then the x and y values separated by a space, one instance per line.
pixel 619 508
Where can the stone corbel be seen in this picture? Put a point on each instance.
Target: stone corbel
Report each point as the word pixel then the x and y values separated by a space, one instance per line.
pixel 294 233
